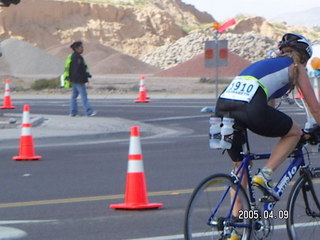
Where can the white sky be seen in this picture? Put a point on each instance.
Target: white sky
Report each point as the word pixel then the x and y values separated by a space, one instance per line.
pixel 224 9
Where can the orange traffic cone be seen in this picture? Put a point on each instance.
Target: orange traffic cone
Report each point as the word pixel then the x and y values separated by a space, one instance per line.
pixel 7 98
pixel 136 188
pixel 26 140
pixel 300 95
pixel 142 98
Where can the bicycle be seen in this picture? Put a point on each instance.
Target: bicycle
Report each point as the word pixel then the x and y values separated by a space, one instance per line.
pixel 209 214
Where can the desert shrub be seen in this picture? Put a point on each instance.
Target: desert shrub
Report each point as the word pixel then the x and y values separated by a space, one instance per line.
pixel 108 88
pixel 206 80
pixel 45 84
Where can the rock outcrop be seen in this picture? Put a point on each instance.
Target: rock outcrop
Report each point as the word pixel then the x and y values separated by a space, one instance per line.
pixel 250 46
pixel 129 28
pixel 132 36
pixel 251 38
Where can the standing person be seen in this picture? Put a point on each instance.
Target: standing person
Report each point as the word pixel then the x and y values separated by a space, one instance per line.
pixel 78 76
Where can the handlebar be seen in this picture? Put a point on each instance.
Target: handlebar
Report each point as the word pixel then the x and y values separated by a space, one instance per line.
pixel 312 136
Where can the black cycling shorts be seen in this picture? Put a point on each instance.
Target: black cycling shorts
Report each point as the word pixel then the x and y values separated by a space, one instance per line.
pixel 257 116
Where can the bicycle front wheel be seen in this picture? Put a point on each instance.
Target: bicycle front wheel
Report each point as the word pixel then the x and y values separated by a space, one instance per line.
pixel 213 194
pixel 304 210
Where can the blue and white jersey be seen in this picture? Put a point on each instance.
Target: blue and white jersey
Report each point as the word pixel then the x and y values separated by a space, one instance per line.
pixel 272 74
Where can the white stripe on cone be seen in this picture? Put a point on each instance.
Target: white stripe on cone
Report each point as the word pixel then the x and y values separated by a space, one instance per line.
pixel 135 145
pixel 135 166
pixel 7 90
pixel 26 131
pixel 26 123
pixel 142 86
pixel 26 117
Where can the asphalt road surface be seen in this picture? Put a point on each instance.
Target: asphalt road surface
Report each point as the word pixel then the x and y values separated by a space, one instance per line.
pixel 67 194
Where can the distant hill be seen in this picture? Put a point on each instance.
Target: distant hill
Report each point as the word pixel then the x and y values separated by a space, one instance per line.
pixel 127 36
pixel 23 59
pixel 307 18
pixel 131 27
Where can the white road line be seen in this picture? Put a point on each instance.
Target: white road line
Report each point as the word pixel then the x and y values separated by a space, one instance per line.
pixel 15 233
pixel 181 236
pixel 175 118
pixel 172 237
pixel 13 222
pixel 11 233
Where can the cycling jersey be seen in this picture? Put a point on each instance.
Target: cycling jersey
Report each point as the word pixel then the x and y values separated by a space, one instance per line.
pixel 272 75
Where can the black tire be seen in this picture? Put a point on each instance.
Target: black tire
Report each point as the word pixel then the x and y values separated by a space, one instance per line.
pixel 202 202
pixel 300 224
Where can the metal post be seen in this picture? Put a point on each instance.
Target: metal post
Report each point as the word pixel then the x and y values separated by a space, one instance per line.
pixel 216 50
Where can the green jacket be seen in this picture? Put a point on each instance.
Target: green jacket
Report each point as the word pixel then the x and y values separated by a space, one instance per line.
pixel 75 71
pixel 66 74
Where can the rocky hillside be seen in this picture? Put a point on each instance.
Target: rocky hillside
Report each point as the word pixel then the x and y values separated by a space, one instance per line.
pixel 250 46
pixel 162 33
pixel 251 38
pixel 131 27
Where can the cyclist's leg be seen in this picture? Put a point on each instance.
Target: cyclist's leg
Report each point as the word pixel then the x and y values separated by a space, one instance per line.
pixel 238 204
pixel 236 110
pixel 235 154
pixel 267 121
pixel 284 147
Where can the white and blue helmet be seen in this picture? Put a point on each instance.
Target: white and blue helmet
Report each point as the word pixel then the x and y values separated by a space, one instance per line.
pixel 298 43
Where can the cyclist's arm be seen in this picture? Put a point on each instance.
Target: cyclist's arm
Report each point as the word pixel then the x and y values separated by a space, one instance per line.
pixel 308 93
pixel 272 103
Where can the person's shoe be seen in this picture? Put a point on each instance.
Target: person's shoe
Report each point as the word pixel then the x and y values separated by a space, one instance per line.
pixel 92 114
pixel 234 236
pixel 72 115
pixel 263 180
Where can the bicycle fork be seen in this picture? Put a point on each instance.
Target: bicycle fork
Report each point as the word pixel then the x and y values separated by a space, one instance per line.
pixel 308 187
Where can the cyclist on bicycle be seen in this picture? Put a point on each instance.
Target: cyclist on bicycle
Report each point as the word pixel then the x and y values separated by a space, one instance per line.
pixel 269 79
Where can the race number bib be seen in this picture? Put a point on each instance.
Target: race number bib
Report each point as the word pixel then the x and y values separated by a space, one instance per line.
pixel 242 89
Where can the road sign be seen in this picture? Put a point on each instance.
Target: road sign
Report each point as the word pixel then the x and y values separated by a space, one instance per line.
pixel 216 53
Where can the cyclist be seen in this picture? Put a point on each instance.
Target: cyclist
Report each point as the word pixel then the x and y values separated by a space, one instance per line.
pixel 248 99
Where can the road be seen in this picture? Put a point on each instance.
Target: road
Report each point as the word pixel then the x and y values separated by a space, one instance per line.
pixel 67 194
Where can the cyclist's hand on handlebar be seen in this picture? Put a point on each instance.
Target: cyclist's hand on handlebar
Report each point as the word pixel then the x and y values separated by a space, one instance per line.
pixel 312 135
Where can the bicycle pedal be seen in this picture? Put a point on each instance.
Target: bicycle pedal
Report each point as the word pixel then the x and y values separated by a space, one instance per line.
pixel 266 193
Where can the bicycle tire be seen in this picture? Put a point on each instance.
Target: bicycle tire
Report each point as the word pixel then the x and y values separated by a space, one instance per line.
pixel 300 224
pixel 201 204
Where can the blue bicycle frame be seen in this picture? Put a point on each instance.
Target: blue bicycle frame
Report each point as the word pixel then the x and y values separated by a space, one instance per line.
pixel 296 163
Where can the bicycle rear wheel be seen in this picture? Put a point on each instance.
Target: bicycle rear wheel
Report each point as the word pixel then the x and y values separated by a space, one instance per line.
pixel 205 198
pixel 304 210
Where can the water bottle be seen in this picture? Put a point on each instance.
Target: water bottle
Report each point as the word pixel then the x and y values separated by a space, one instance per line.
pixel 226 133
pixel 215 132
